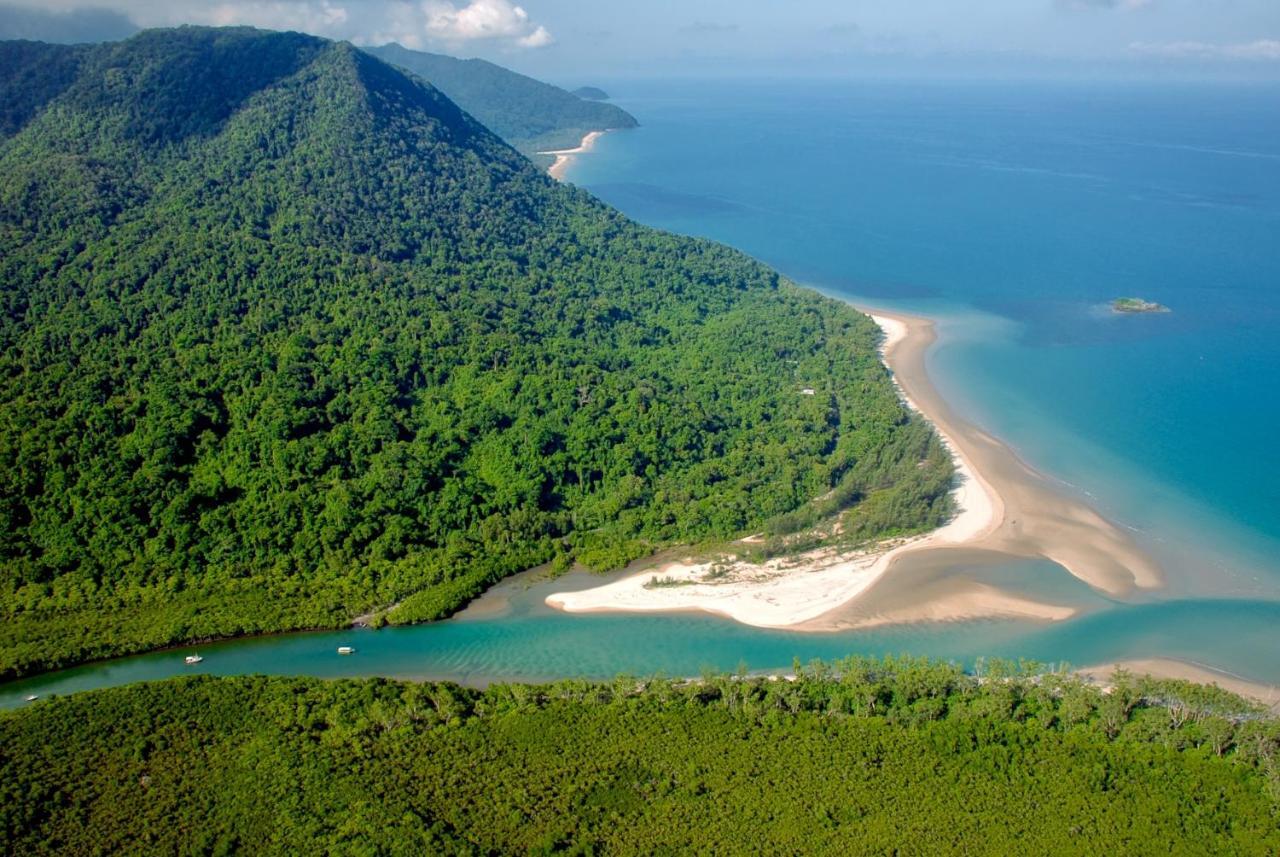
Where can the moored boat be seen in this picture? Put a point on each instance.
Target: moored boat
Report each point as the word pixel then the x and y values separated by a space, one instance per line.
pixel 193 659
pixel 346 650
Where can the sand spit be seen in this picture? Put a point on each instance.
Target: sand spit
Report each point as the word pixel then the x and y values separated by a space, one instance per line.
pixel 564 157
pixel 1006 510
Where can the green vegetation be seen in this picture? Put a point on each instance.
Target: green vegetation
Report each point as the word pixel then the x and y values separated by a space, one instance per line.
pixel 1137 305
pixel 31 75
pixel 531 115
pixel 287 338
pixel 866 757
pixel 591 93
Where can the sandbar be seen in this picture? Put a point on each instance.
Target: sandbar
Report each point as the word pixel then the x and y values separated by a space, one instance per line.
pixel 564 157
pixel 1005 509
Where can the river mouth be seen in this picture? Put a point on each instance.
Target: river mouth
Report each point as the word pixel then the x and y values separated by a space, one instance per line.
pixel 1162 419
pixel 509 634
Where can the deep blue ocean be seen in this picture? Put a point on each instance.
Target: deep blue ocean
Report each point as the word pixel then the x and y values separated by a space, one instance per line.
pixel 1013 214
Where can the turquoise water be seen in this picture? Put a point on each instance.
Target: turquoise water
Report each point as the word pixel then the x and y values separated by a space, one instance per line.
pixel 1015 213
pixel 528 641
pixel 1012 214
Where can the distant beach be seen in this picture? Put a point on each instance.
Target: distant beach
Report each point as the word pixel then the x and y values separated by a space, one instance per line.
pixel 1266 694
pixel 564 157
pixel 1005 509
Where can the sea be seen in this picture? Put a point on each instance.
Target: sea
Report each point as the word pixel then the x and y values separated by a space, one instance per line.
pixel 1013 213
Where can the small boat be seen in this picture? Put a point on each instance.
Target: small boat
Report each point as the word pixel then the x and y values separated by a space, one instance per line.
pixel 346 650
pixel 32 697
pixel 193 659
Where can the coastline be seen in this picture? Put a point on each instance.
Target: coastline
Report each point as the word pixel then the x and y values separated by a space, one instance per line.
pixel 1267 695
pixel 564 157
pixel 1007 510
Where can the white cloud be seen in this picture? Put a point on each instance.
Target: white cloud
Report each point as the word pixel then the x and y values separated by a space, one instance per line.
pixel 321 18
pixel 1261 49
pixel 418 24
pixel 484 20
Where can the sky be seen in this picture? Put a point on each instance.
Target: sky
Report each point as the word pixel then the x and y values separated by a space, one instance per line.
pixel 607 39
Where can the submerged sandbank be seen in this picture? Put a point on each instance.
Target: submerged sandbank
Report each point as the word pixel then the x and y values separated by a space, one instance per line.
pixel 1006 510
pixel 564 157
pixel 1039 519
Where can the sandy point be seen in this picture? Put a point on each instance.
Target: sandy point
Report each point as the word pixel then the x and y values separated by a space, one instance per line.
pixel 564 157
pixel 1005 509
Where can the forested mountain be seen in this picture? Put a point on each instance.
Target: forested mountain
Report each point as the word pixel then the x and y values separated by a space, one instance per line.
pixel 31 75
pixel 286 337
pixel 529 114
pixel 868 757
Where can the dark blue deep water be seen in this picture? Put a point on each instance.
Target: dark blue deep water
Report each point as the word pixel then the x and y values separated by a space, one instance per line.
pixel 1015 213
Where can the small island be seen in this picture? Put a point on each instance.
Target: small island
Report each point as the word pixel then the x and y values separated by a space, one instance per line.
pixel 1130 305
pixel 591 93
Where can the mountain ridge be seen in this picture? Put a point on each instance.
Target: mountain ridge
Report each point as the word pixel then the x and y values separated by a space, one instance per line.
pixel 322 344
pixel 531 115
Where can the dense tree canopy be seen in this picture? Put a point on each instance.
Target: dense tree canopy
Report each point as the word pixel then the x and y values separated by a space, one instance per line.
pixel 31 75
pixel 866 757
pixel 591 93
pixel 286 337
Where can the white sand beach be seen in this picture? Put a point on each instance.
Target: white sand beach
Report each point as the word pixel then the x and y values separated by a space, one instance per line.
pixel 1266 694
pixel 1005 508
pixel 564 157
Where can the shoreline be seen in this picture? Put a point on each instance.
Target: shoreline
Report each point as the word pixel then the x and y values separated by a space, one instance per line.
pixel 564 157
pixel 1006 511
pixel 1267 695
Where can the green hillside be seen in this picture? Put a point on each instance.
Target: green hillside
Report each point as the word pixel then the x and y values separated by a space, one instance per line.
pixel 31 75
pixel 591 93
pixel 898 757
pixel 288 337
pixel 531 115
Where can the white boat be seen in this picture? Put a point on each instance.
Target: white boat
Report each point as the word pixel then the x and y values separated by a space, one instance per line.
pixel 193 659
pixel 346 650
pixel 32 697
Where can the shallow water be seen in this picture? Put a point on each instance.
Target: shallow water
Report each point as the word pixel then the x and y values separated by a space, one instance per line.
pixel 1013 214
pixel 1020 211
pixel 514 636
